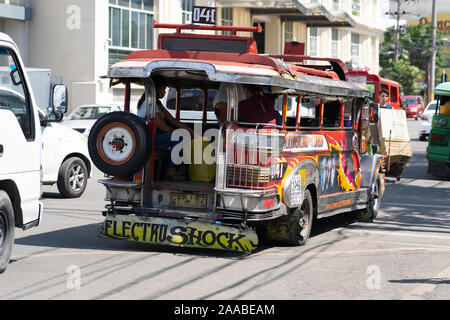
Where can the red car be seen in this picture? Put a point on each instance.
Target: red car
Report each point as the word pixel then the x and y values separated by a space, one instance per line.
pixel 414 106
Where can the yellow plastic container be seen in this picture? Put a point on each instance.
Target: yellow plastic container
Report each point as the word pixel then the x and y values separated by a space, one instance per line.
pixel 199 170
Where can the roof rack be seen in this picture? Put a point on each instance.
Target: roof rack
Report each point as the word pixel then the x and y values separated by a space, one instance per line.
pixel 180 27
pixel 337 65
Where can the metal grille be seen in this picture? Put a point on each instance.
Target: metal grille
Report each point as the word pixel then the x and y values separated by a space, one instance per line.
pixel 248 158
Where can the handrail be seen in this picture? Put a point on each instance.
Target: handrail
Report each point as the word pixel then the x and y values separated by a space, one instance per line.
pixel 180 27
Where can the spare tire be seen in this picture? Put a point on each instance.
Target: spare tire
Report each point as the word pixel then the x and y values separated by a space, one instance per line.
pixel 119 144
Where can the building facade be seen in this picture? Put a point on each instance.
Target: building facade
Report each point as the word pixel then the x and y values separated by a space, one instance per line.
pixel 79 39
pixel 344 29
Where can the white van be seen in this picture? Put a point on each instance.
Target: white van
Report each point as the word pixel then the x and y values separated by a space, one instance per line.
pixel 20 148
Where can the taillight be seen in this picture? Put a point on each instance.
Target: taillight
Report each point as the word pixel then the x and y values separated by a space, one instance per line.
pixel 424 117
pixel 439 138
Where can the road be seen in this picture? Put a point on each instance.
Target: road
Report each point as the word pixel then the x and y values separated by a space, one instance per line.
pixel 403 254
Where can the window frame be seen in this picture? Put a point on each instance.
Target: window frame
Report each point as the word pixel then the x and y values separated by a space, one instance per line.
pixel 314 38
pixel 356 8
pixel 187 7
pixel 26 93
pixel 354 45
pixel 226 19
pixel 146 27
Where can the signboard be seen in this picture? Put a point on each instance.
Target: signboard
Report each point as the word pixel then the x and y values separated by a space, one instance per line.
pixel 179 232
pixel 206 15
pixel 393 124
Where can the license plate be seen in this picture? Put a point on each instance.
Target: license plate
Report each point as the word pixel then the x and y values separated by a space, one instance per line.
pixel 188 200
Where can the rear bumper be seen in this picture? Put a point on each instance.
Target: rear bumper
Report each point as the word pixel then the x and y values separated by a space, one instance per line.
pixel 440 169
pixel 185 232
pixel 411 114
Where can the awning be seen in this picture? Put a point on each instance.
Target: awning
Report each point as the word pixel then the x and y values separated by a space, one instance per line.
pixel 312 14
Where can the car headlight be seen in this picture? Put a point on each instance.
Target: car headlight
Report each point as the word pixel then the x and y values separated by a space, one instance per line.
pixel 86 133
pixel 84 137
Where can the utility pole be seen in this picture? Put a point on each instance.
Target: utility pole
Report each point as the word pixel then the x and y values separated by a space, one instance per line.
pixel 397 32
pixel 433 52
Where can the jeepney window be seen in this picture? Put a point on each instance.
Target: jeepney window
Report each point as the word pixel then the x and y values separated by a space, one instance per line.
pixel 371 88
pixel 191 102
pixel 310 112
pixel 393 94
pixel 14 93
pixel 291 108
pixel 332 114
pixel 348 115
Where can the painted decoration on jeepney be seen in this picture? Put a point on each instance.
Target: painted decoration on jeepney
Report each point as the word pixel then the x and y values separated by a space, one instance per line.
pixel 305 143
pixel 179 232
pixel 340 171
pixel 338 168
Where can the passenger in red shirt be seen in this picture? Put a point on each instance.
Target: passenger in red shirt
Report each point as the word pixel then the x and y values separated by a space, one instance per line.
pixel 256 108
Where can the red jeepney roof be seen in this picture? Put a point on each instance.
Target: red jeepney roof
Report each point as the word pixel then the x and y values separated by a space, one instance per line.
pixel 373 77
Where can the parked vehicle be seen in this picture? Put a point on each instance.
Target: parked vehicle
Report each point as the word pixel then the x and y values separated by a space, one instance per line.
pixel 438 150
pixel 414 106
pixel 83 117
pixel 267 180
pixel 65 158
pixel 425 123
pixel 20 147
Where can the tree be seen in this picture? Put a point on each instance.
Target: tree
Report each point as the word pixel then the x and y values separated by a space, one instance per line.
pixel 414 56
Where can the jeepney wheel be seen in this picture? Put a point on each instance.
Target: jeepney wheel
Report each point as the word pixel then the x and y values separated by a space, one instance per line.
pixel 119 144
pixel 373 205
pixel 302 219
pixel 7 229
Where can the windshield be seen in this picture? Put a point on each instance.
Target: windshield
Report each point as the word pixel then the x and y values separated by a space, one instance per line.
pixel 89 113
pixel 410 101
pixel 432 107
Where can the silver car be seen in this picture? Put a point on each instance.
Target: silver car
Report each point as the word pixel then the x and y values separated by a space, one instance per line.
pixel 425 124
pixel 84 117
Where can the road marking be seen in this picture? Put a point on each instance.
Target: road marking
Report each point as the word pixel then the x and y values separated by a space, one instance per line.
pixel 421 290
pixel 399 234
pixel 404 204
pixel 345 252
pixel 81 253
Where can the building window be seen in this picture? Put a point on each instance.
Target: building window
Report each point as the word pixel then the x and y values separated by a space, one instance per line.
pixel 356 7
pixel 312 41
pixel 130 27
pixel 288 31
pixel 335 4
pixel 355 48
pixel 186 11
pixel 227 19
pixel 334 43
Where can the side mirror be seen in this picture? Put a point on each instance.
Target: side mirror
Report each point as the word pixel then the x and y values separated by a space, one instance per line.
pixel 44 122
pixel 365 120
pixel 59 103
pixel 59 99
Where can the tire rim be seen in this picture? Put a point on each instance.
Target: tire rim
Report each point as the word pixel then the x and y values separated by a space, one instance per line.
pixel 375 198
pixel 304 219
pixel 118 144
pixel 2 232
pixel 76 178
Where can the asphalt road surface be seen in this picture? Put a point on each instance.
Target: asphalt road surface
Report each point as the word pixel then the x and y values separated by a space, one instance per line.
pixel 403 254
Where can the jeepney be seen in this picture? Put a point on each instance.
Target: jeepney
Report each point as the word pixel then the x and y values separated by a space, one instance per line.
pixel 268 180
pixel 438 150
